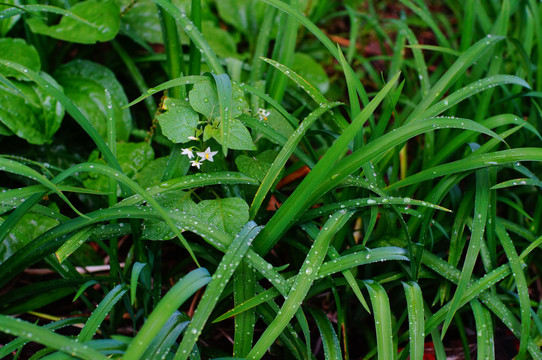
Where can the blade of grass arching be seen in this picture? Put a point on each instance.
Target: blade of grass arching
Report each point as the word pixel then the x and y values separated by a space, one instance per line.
pixel 521 286
pixel 173 299
pixel 193 33
pixel 48 338
pixel 481 202
pixel 330 341
pixel 284 155
pixel 484 331
pixel 134 279
pixel 73 243
pixel 223 88
pixel 194 64
pixel 273 136
pixel 12 346
pixel 518 182
pixel 17 168
pixel 101 311
pixel 162 344
pixel 31 8
pixel 70 108
pixel 136 75
pixel 416 321
pixel 435 48
pixel 307 274
pixel 471 89
pixel 284 50
pixel 382 315
pixel 457 70
pixel 190 182
pixel 220 278
pixel 472 162
pixel 296 203
pixel 183 80
pixel 244 289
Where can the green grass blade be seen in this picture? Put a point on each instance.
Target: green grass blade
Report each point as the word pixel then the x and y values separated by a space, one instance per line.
pixel 223 88
pixel 162 344
pixel 73 243
pixel 481 202
pixel 173 299
pixel 48 338
pixel 484 331
pixel 244 283
pixel 222 275
pixel 302 284
pixel 382 315
pixel 134 279
pixel 17 168
pixel 98 315
pixel 416 321
pixel 330 341
pixel 521 285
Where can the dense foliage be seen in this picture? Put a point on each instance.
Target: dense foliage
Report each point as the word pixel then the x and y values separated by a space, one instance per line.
pixel 290 179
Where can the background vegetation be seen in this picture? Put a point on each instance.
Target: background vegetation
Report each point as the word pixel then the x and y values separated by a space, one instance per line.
pixel 281 179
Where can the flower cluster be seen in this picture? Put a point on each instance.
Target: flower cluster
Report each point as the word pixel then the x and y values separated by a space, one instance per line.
pixel 203 155
pixel 263 114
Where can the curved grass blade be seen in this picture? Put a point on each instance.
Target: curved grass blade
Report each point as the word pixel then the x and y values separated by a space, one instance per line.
pixel 284 155
pixel 183 80
pixel 484 331
pixel 517 182
pixel 416 321
pixel 73 243
pixel 98 316
pixel 15 167
pixel 473 162
pixel 173 299
pixel 330 341
pixel 220 278
pixel 454 72
pixel 521 285
pixel 55 10
pixel 481 203
pixel 193 33
pixel 244 283
pixel 382 314
pixel 302 83
pixel 134 278
pixel 302 284
pixel 162 344
pixel 48 338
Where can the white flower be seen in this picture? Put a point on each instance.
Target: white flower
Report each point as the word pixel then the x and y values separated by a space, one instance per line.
pixel 263 114
pixel 207 154
pixel 188 152
pixel 196 163
pixel 192 138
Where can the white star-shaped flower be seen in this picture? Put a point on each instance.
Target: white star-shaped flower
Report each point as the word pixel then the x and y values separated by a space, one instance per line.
pixel 263 114
pixel 196 163
pixel 207 154
pixel 188 152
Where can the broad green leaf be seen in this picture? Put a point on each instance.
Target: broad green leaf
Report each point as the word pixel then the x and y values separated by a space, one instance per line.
pixel 84 83
pixel 28 228
pixel 310 70
pixel 103 15
pixel 19 51
pixel 173 201
pixel 256 166
pixel 221 41
pixel 151 174
pixel 132 157
pixel 204 99
pixel 229 214
pixel 31 113
pixel 238 136
pixel 178 122
pixel 244 15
